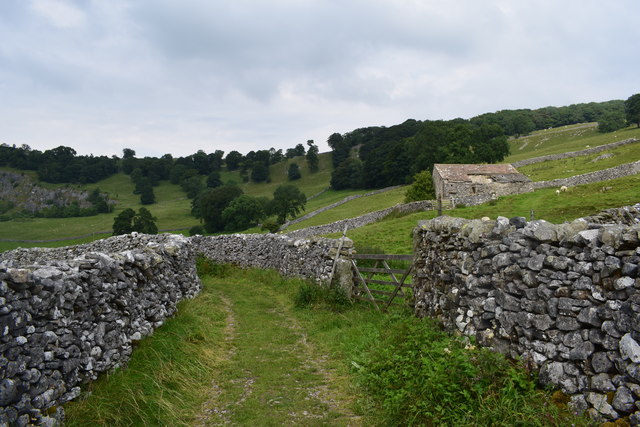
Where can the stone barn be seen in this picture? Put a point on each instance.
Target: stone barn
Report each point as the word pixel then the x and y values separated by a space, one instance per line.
pixel 460 182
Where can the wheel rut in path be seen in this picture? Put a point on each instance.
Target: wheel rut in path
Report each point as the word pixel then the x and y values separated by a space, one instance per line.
pixel 273 374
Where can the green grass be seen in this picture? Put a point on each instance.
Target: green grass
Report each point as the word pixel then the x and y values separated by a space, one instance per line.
pixel 561 140
pixel 355 208
pixel 565 168
pixel 239 353
pixel 394 234
pixel 256 349
pixel 169 375
pixel 172 209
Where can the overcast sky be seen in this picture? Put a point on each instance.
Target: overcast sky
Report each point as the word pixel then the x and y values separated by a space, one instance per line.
pixel 176 76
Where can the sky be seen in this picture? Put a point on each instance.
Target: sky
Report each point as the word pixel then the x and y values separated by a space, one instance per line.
pixel 178 76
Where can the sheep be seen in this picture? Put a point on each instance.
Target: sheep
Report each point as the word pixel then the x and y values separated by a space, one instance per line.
pixel 563 188
pixel 557 192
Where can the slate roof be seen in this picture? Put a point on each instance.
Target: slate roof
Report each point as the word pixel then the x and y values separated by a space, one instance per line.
pixel 461 172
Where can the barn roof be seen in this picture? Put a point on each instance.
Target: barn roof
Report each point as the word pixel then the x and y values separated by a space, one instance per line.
pixel 462 172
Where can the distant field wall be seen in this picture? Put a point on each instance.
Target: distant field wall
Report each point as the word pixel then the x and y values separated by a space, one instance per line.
pixel 571 154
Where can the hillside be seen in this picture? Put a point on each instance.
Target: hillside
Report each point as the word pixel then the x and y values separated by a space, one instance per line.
pixel 173 208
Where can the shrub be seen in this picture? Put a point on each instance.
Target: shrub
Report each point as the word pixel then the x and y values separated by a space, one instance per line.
pixel 416 374
pixel 196 229
pixel 270 225
pixel 311 294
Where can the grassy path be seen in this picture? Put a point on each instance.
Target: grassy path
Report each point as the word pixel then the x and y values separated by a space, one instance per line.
pixel 238 354
pixel 273 374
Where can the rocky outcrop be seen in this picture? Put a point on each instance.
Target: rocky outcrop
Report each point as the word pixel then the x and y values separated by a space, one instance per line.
pixel 565 298
pixel 69 314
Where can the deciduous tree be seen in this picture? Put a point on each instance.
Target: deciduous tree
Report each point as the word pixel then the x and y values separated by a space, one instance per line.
pixel 632 109
pixel 288 200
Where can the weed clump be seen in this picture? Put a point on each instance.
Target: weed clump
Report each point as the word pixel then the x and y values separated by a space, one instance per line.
pixel 207 267
pixel 416 374
pixel 310 295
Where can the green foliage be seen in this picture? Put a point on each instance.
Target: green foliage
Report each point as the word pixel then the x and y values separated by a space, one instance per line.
pixel 147 195
pixel 196 229
pixel 340 148
pixel 213 180
pixel 192 185
pixel 418 375
pixel 312 157
pixel 242 212
pixel 270 225
pixel 313 295
pixel 233 160
pixel 145 222
pixel 288 201
pixel 259 172
pixel 123 222
pixel 632 109
pixel 421 189
pixel 209 205
pixel 294 172
pixel 207 267
pixel 128 221
pixel 611 122
pixel 347 175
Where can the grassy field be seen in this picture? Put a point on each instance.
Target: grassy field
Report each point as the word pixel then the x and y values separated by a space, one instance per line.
pixel 393 235
pixel 561 140
pixel 355 208
pixel 565 168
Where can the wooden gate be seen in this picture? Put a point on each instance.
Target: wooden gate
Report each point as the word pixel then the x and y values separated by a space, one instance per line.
pixel 379 284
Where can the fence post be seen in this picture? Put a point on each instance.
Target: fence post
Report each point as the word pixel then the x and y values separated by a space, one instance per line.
pixel 335 260
pixel 439 205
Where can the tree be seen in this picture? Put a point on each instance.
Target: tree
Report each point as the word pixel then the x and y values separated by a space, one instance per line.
pixel 192 186
pixel 294 172
pixel 242 212
pixel 129 221
pixel 347 175
pixel 233 160
pixel 339 147
pixel 421 189
pixel 144 222
pixel 147 196
pixel 288 200
pixel 259 172
pixel 312 156
pixel 299 150
pixel 611 122
pixel 213 180
pixel 632 109
pixel 122 223
pixel 209 204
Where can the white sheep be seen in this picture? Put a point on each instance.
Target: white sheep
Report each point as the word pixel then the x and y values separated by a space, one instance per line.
pixel 557 192
pixel 563 188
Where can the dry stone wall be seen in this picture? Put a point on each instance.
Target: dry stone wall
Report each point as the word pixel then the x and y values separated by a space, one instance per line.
pixel 571 154
pixel 311 259
pixel 69 314
pixel 362 220
pixel 333 205
pixel 565 298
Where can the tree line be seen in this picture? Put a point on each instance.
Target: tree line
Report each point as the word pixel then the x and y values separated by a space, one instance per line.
pixel 378 156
